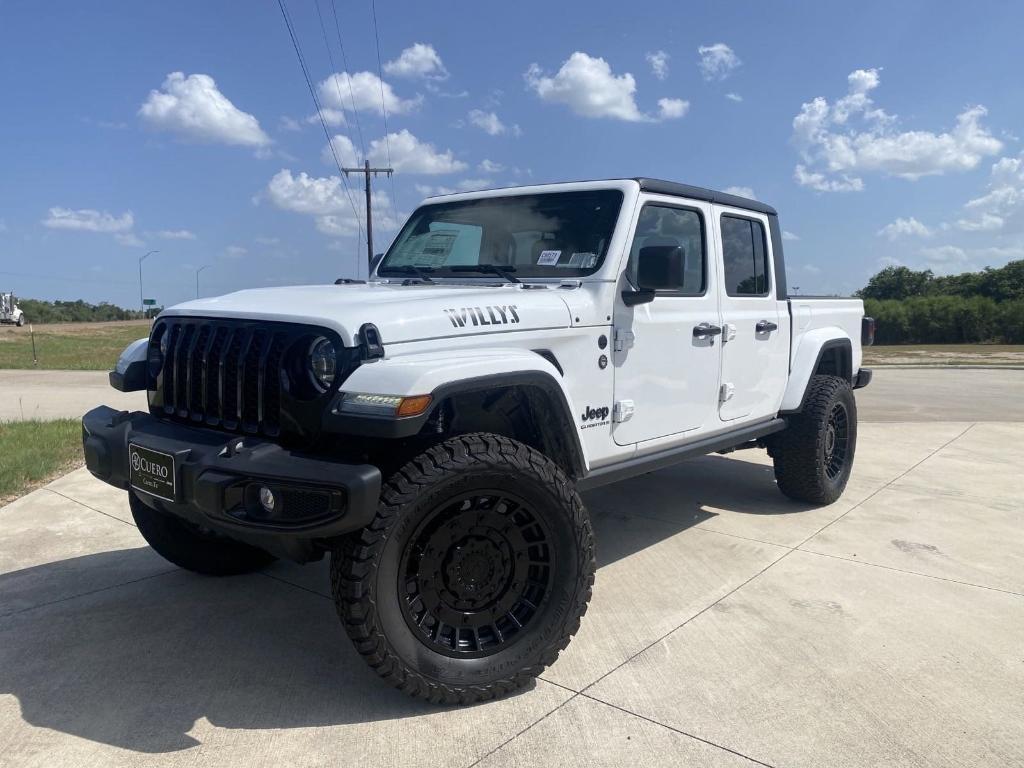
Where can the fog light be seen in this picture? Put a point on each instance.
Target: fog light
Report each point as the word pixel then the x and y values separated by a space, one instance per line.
pixel 267 499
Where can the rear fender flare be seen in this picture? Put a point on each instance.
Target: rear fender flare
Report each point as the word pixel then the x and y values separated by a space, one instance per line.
pixel 813 346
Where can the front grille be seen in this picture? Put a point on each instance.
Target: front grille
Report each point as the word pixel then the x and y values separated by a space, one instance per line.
pixel 235 375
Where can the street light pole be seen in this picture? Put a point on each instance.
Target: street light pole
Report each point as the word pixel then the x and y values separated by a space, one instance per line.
pixel 205 266
pixel 142 301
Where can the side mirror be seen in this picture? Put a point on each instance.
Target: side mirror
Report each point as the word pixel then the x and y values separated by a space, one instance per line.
pixel 658 268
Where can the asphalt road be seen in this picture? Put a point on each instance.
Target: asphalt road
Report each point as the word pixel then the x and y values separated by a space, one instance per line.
pixel 894 395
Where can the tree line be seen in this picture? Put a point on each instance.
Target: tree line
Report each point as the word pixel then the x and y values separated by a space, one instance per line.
pixel 37 311
pixel 918 307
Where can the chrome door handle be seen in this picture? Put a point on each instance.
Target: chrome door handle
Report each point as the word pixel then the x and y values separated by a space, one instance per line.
pixel 766 326
pixel 703 331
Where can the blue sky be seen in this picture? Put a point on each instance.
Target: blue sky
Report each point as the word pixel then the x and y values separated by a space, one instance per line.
pixel 883 132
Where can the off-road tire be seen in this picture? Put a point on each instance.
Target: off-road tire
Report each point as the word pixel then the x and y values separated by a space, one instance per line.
pixel 805 452
pixel 21 321
pixel 192 548
pixel 367 570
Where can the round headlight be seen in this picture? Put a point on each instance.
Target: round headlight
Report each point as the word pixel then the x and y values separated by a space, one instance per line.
pixel 323 362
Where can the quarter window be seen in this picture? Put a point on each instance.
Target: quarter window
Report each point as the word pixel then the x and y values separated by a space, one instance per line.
pixel 746 257
pixel 679 229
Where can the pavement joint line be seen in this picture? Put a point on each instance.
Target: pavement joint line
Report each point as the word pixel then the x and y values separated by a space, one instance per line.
pixel 912 573
pixel 884 487
pixel 87 506
pixel 677 730
pixel 293 584
pixel 515 736
pixel 86 594
pixel 698 614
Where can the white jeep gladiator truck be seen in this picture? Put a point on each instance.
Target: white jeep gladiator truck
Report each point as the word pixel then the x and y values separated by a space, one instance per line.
pixel 10 312
pixel 433 426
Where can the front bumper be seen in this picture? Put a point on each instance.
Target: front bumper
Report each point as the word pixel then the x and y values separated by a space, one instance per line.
pixel 862 379
pixel 217 477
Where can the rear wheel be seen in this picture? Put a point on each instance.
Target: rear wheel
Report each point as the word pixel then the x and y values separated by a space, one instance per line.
pixel 21 320
pixel 195 549
pixel 474 573
pixel 814 454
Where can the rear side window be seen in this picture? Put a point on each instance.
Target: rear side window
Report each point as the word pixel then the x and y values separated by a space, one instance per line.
pixel 682 231
pixel 746 257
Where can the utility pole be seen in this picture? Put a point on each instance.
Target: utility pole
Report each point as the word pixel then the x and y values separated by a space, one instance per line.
pixel 142 301
pixel 366 169
pixel 205 266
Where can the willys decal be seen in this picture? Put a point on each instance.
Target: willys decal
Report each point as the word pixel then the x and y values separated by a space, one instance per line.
pixel 501 314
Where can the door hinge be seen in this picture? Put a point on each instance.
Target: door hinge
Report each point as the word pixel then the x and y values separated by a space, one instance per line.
pixel 623 339
pixel 726 392
pixel 728 332
pixel 623 410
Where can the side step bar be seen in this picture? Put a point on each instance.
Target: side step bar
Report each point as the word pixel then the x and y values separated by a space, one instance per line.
pixel 643 464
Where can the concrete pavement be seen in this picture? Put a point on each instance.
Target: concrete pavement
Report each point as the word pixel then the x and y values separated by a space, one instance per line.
pixel 729 627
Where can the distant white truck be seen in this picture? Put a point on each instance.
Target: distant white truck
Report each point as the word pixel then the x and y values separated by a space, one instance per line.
pixel 431 428
pixel 10 312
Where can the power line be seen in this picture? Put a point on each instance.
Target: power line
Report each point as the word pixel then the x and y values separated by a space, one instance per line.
pixel 383 108
pixel 348 73
pixel 330 57
pixel 319 111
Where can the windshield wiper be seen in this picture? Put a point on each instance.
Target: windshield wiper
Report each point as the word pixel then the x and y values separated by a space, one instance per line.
pixel 488 269
pixel 412 269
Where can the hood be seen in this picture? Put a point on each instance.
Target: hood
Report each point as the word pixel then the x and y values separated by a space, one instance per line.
pixel 401 313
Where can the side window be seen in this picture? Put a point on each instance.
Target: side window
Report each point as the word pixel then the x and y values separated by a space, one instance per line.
pixel 745 256
pixel 675 236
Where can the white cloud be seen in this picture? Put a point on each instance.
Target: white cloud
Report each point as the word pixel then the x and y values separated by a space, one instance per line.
pixel 235 251
pixel 488 122
pixel 812 269
pixel 904 228
pixel 586 84
pixel 289 124
pixel 264 240
pixel 946 259
pixel 834 150
pixel 175 234
pixel 489 166
pixel 3 225
pixel 333 117
pixel 346 151
pixel 418 60
pixel 465 185
pixel 734 97
pixel 363 91
pixel 670 109
pixel 741 192
pixel 129 239
pixel 88 220
pixel 821 183
pixel 717 61
pixel 659 64
pixel 193 107
pixel 1002 206
pixel 325 199
pixel 787 235
pixel 410 155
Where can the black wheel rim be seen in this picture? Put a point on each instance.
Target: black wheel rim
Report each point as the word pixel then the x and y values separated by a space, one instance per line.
pixel 837 441
pixel 476 573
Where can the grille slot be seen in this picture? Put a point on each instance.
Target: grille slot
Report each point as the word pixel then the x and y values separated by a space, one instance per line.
pixel 230 374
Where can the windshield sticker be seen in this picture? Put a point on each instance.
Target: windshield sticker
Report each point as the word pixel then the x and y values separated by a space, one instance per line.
pixel 428 250
pixel 548 258
pixel 583 260
pixel 503 314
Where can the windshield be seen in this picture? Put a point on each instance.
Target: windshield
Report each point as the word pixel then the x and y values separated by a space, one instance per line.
pixel 555 234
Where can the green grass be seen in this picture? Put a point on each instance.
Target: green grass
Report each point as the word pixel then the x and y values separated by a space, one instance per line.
pixel 33 452
pixel 80 346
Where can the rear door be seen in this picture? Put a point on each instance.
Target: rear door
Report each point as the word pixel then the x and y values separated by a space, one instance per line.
pixel 669 377
pixel 755 348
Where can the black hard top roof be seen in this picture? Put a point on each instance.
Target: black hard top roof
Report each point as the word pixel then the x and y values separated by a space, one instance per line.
pixel 660 187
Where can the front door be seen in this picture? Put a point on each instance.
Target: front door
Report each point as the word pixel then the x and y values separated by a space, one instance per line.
pixel 755 347
pixel 663 371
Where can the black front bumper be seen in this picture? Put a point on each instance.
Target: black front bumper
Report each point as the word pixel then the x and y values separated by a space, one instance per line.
pixel 217 477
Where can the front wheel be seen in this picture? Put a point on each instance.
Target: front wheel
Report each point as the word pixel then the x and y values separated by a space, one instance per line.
pixel 21 321
pixel 814 454
pixel 474 573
